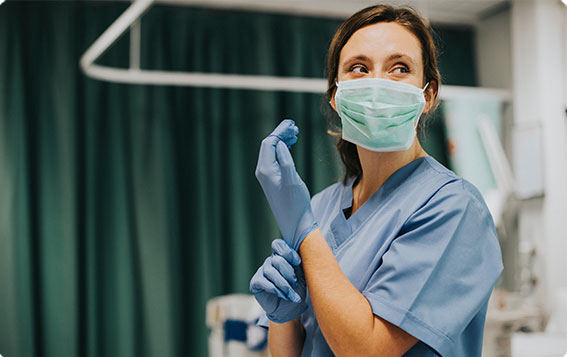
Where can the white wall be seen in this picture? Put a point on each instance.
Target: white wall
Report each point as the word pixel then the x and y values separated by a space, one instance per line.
pixel 539 48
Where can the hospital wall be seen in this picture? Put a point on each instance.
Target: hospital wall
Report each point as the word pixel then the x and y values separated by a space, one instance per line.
pixel 539 59
pixel 522 47
pixel 125 208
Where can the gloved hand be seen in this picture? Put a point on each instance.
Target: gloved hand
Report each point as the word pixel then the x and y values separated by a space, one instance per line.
pixel 286 193
pixel 279 284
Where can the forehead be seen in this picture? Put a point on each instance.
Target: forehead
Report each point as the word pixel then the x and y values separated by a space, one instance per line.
pixel 378 41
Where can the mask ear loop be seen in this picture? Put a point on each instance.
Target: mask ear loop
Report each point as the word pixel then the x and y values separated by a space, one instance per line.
pixel 336 85
pixel 417 121
pixel 423 90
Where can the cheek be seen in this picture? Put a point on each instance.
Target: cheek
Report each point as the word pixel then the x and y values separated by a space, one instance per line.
pixel 341 76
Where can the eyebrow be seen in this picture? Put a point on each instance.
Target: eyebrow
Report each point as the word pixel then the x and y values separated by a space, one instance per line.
pixel 395 56
pixel 356 58
pixel 392 57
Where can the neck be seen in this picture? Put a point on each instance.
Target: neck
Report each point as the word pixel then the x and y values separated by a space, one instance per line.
pixel 377 167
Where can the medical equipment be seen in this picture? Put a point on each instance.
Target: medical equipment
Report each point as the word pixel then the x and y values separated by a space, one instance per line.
pixel 234 333
pixel 131 18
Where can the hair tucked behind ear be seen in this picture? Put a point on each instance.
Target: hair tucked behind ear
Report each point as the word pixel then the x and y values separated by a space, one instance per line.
pixel 404 16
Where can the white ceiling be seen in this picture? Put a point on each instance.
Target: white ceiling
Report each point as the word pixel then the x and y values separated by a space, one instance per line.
pixel 437 11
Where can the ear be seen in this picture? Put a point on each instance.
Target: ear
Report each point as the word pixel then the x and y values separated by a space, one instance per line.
pixel 430 95
pixel 332 102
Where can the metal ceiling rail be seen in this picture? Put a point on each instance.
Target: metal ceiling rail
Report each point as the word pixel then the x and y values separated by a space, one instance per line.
pixel 135 75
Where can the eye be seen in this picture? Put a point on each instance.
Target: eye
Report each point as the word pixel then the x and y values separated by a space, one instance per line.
pixel 400 69
pixel 358 68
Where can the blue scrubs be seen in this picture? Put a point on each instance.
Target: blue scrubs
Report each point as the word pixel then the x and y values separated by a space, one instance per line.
pixel 424 252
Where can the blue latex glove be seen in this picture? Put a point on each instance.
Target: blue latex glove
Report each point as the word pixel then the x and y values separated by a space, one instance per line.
pixel 279 284
pixel 286 193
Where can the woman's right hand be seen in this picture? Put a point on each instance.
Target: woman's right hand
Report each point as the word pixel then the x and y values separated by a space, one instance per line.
pixel 279 284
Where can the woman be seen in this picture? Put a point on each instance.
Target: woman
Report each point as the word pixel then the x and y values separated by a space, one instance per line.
pixel 401 257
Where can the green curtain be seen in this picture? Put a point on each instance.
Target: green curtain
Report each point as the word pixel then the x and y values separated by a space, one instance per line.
pixel 124 208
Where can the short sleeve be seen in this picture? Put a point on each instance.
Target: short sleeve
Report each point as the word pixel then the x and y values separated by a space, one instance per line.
pixel 263 321
pixel 439 271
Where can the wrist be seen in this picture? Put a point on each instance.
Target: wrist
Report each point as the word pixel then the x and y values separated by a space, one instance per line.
pixel 295 323
pixel 309 239
pixel 286 317
pixel 306 225
pixel 286 339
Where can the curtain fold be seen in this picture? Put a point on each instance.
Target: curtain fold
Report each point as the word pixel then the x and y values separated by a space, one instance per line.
pixel 125 208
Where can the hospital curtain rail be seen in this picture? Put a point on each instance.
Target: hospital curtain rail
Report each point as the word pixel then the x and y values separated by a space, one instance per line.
pixel 123 208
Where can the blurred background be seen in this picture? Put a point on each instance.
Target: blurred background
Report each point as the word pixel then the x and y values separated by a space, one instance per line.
pixel 127 190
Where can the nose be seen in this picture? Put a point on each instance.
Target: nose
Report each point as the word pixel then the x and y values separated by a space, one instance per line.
pixel 377 74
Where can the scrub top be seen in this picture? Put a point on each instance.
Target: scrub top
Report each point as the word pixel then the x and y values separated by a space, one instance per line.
pixel 424 252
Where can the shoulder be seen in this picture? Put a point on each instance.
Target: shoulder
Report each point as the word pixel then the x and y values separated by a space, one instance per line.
pixel 451 186
pixel 460 194
pixel 455 219
pixel 450 198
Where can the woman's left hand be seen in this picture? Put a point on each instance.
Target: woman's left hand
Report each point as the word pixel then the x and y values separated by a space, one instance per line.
pixel 287 194
pixel 279 284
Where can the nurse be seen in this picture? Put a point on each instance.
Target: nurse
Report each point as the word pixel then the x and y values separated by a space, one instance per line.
pixel 399 258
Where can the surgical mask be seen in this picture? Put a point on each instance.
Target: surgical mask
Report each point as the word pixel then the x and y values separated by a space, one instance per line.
pixel 379 114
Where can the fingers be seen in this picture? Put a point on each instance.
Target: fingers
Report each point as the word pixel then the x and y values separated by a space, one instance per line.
pixel 259 283
pixel 286 130
pixel 273 275
pixel 287 166
pixel 265 286
pixel 299 275
pixel 284 269
pixel 280 247
pixel 267 157
pixel 291 141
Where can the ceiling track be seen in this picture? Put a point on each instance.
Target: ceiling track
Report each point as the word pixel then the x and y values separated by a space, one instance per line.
pixel 130 19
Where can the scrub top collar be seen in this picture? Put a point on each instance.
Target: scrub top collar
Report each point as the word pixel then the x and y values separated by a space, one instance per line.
pixel 341 227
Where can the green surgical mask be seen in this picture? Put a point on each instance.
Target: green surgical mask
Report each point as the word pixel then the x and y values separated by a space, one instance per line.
pixel 379 114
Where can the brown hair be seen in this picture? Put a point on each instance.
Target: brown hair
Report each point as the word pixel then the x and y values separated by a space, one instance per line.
pixel 412 21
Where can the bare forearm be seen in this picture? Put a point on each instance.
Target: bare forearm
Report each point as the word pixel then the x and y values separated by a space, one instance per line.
pixel 343 313
pixel 286 339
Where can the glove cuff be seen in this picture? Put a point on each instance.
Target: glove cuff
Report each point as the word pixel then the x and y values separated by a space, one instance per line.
pixel 288 317
pixel 305 226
